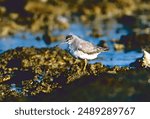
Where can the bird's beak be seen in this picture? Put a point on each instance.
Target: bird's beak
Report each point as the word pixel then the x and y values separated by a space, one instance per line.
pixel 61 42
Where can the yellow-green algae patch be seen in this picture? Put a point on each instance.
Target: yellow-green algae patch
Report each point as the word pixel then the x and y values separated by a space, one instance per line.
pixel 42 70
pixel 57 75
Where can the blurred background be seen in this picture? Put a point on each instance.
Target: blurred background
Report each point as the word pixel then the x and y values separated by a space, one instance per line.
pixel 43 23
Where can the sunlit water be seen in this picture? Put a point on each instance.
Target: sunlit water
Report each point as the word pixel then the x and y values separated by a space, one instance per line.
pixel 110 58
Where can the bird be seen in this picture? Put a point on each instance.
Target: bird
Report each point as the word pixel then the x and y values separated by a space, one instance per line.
pixel 83 49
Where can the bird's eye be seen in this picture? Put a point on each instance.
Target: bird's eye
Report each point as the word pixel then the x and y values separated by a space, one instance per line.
pixel 69 37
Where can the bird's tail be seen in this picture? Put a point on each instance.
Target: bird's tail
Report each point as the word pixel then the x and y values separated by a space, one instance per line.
pixel 103 49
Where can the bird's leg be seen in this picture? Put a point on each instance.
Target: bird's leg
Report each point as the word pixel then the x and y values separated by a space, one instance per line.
pixel 85 64
pixel 76 61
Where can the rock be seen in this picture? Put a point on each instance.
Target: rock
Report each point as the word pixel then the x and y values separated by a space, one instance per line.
pixel 136 41
pixel 62 19
pixel 143 62
pixel 14 16
pixel 31 13
pixel 51 73
pixel 146 59
pixel 62 22
pixel 128 21
pixel 43 0
pixel 42 70
pixel 2 10
pixel 96 33
pixel 118 47
pixel 9 28
pixel 37 7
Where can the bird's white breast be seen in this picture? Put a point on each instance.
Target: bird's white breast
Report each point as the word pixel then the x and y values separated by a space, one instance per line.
pixel 83 55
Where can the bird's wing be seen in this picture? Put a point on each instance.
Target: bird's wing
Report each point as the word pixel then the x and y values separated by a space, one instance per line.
pixel 88 47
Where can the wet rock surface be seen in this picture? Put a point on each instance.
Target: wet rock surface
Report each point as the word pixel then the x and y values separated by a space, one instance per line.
pixel 143 62
pixel 41 70
pixel 136 41
pixel 56 75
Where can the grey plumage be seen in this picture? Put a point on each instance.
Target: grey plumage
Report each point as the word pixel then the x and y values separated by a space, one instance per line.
pixel 77 43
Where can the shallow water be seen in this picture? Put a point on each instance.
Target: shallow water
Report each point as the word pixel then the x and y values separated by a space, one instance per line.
pixel 109 31
pixel 13 87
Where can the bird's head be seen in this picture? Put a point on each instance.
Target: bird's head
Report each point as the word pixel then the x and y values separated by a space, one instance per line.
pixel 69 39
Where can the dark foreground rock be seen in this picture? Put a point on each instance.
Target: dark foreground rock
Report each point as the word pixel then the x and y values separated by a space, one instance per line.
pixel 30 74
